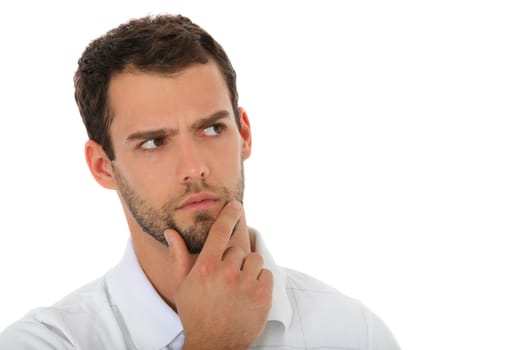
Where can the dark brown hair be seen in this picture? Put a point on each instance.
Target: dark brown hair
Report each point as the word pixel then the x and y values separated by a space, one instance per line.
pixel 161 44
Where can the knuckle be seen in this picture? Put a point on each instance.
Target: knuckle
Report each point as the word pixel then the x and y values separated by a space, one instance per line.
pixel 262 295
pixel 230 273
pixel 247 285
pixel 206 268
pixel 255 258
pixel 233 251
pixel 266 278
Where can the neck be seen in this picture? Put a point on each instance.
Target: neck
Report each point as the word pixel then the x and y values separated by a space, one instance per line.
pixel 154 260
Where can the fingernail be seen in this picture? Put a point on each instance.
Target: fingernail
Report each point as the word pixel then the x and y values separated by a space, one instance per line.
pixel 166 236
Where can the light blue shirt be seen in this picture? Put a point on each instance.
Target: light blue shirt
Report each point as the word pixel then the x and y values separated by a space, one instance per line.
pixel 122 310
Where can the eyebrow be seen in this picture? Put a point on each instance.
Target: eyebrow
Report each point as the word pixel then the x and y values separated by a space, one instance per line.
pixel 205 122
pixel 165 132
pixel 151 134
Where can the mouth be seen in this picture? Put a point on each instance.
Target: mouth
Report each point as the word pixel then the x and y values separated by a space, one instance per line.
pixel 198 202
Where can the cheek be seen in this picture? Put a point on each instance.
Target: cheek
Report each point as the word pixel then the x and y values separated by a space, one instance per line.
pixel 227 161
pixel 152 181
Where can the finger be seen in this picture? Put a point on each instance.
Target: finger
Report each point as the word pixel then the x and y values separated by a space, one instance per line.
pixel 252 265
pixel 179 254
pixel 239 234
pixel 266 277
pixel 239 226
pixel 265 282
pixel 234 256
pixel 221 231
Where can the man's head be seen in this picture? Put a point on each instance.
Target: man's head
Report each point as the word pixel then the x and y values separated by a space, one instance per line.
pixel 159 101
pixel 161 44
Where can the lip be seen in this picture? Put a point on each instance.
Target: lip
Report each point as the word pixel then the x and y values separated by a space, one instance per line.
pixel 200 201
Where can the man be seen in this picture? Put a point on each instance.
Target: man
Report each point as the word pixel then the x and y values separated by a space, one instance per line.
pixel 159 101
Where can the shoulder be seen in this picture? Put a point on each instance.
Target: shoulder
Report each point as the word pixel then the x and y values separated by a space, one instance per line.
pixel 30 333
pixel 301 281
pixel 83 317
pixel 327 313
pixel 90 301
pixel 312 296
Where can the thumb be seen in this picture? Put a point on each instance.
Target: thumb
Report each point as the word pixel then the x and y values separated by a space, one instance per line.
pixel 179 254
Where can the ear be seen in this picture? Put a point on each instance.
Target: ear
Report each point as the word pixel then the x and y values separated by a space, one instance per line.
pixel 99 164
pixel 246 134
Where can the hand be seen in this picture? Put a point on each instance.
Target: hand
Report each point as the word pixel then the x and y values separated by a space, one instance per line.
pixel 224 299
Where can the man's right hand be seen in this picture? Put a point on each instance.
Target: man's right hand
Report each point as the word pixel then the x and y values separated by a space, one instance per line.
pixel 223 297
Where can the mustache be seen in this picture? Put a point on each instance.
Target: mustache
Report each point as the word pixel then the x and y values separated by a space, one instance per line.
pixel 194 188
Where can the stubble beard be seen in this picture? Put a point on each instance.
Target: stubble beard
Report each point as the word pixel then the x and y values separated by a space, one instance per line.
pixel 154 221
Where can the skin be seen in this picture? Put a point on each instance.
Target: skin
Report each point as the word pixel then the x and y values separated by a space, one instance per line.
pixel 175 138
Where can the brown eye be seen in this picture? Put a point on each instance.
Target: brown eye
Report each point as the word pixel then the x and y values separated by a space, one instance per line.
pixel 152 143
pixel 214 130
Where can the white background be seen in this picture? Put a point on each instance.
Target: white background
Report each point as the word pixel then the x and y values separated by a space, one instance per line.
pixel 388 155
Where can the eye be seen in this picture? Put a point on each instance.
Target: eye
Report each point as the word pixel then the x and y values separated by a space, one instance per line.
pixel 214 130
pixel 152 143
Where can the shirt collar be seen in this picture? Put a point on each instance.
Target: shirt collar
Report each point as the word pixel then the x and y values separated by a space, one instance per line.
pixel 151 323
pixel 281 310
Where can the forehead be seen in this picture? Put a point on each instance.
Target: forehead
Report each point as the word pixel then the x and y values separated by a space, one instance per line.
pixel 140 99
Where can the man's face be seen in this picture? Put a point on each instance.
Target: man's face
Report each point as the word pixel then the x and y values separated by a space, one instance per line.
pixel 178 151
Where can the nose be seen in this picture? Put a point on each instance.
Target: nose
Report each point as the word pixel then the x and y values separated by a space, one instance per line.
pixel 192 162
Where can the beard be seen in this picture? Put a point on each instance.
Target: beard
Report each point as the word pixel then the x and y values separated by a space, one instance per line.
pixel 154 221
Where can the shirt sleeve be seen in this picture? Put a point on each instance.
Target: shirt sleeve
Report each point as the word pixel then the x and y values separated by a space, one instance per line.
pixel 30 334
